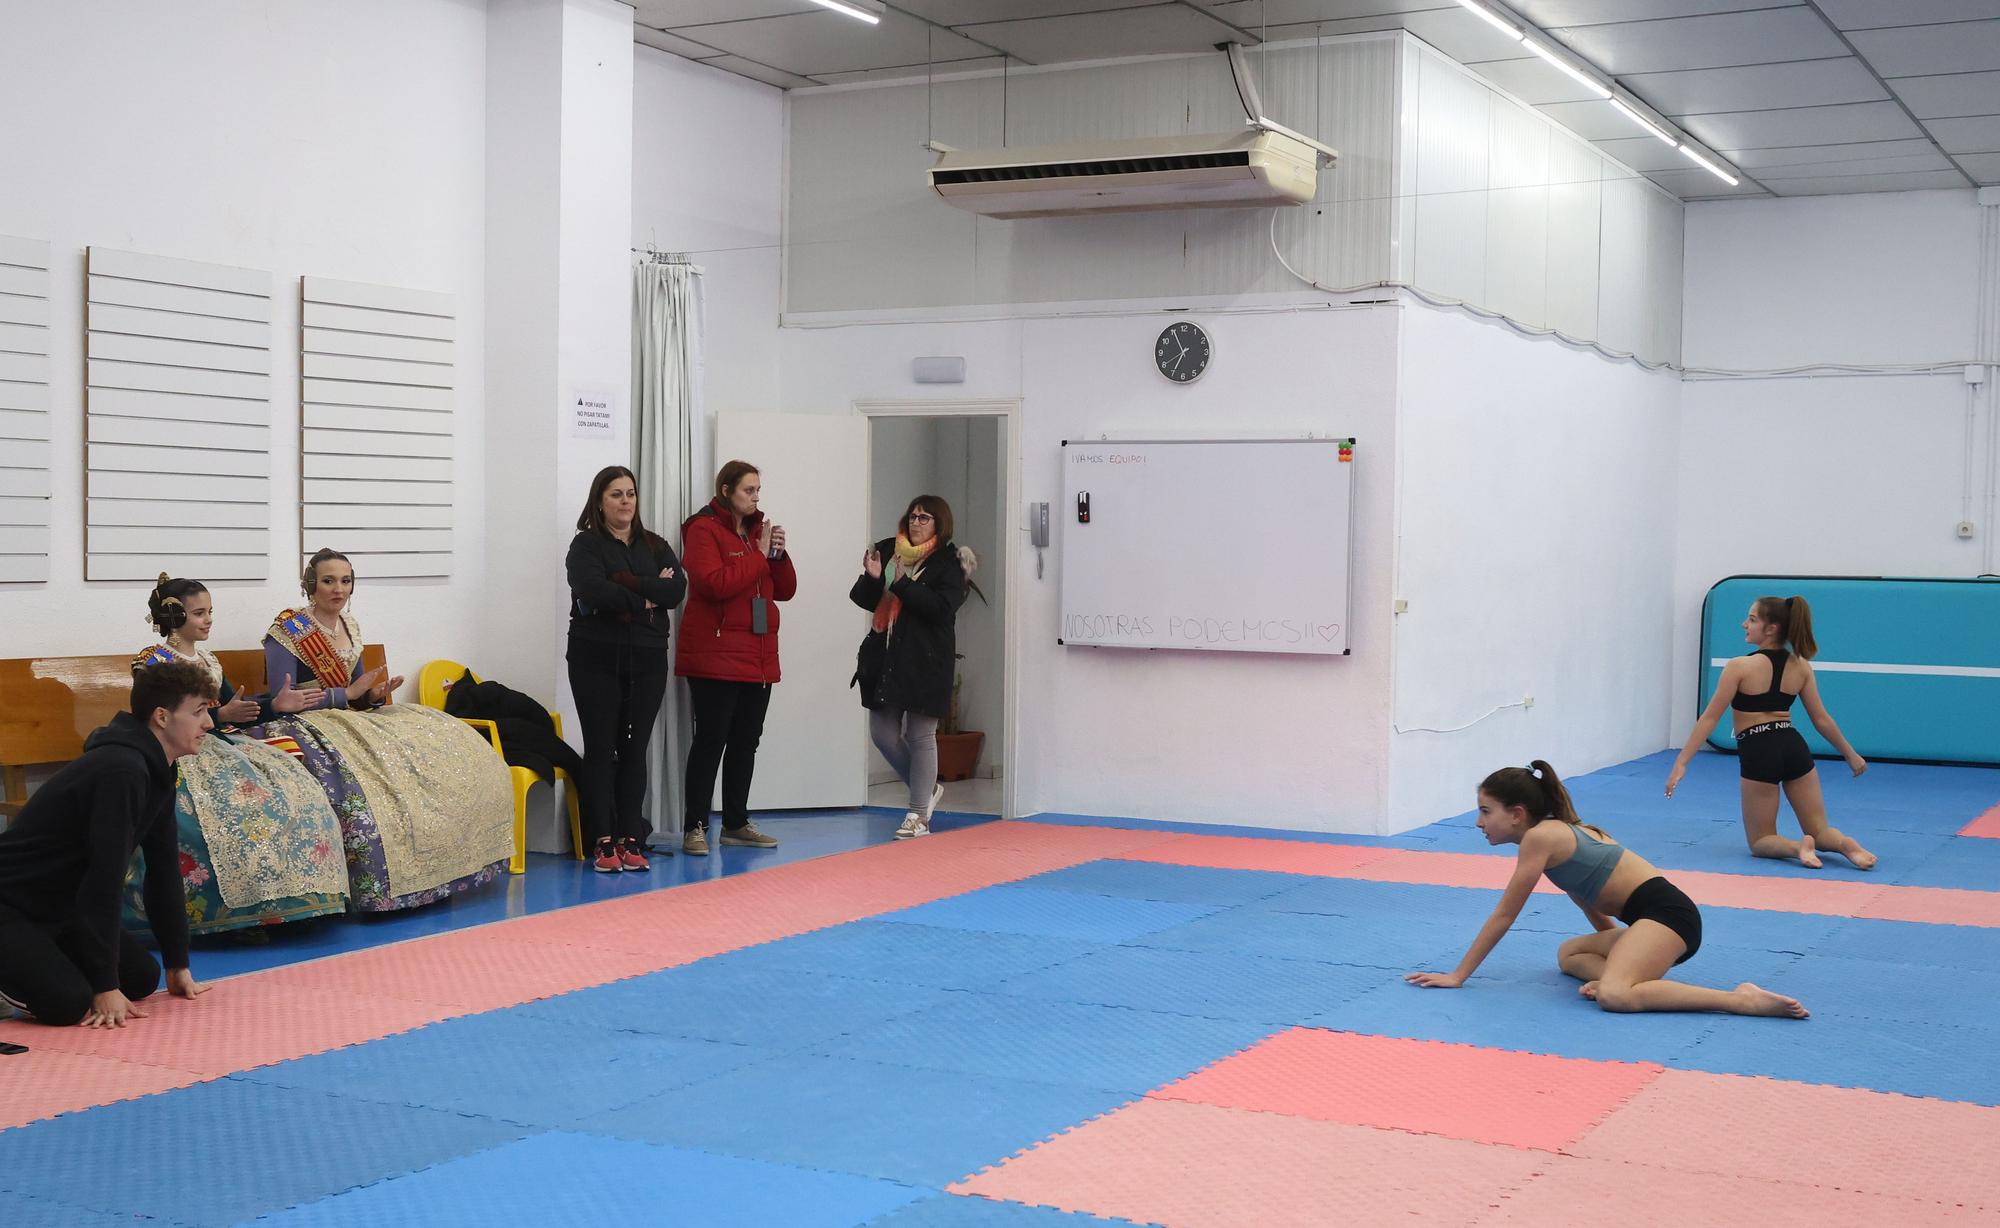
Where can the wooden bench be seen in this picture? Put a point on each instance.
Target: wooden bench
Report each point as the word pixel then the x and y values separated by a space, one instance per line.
pixel 49 705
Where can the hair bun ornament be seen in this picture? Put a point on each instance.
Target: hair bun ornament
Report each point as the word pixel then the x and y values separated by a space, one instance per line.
pixel 1534 771
pixel 161 582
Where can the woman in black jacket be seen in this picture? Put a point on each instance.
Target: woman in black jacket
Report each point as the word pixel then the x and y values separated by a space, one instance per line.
pixel 914 583
pixel 623 581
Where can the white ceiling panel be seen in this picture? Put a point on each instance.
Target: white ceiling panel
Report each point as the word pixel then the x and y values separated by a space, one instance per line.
pixel 1593 120
pixel 1865 14
pixel 1836 185
pixel 1551 13
pixel 1463 36
pixel 1980 135
pixel 760 72
pixel 910 72
pixel 966 12
pixel 1917 51
pixel 1966 93
pixel 1643 153
pixel 1752 159
pixel 664 41
pixel 1155 30
pixel 657 13
pixel 1983 167
pixel 1903 164
pixel 824 41
pixel 1757 87
pixel 1695 183
pixel 1861 121
pixel 1252 14
pixel 1717 41
pixel 1534 81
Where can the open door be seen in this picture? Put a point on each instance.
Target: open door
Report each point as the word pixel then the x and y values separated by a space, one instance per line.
pixel 815 471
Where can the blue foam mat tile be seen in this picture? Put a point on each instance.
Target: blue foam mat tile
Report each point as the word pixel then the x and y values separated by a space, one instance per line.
pixel 560 1179
pixel 896 1123
pixel 1370 902
pixel 1217 984
pixel 1541 1017
pixel 1868 989
pixel 1148 880
pixel 23 1211
pixel 277 1146
pixel 1041 913
pixel 1930 1060
pixel 1381 943
pixel 1970 947
pixel 1969 863
pixel 511 1066
pixel 972 1211
pixel 1114 1048
pixel 908 954
pixel 768 1009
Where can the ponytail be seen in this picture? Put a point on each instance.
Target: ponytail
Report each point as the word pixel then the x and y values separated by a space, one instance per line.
pixel 1536 789
pixel 1793 618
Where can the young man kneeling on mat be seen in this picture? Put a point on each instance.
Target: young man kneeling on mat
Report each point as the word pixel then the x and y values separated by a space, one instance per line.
pixel 64 957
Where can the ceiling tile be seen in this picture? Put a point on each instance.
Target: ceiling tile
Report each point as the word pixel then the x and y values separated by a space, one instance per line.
pixel 1796 155
pixel 1983 167
pixel 966 12
pixel 1861 121
pixel 1252 14
pixel 1863 14
pixel 1593 120
pixel 910 72
pixel 1156 29
pixel 1643 153
pixel 1757 87
pixel 824 41
pixel 1902 164
pixel 669 13
pixel 1551 13
pixel 1968 93
pixel 1841 185
pixel 1978 135
pixel 1917 51
pixel 759 72
pixel 1695 183
pixel 1534 81
pixel 1718 41
pixel 673 42
pixel 1463 36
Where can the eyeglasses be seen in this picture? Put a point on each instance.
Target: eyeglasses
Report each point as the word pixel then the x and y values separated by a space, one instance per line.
pixel 921 518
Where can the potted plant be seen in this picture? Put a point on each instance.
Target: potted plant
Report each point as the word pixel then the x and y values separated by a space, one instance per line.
pixel 958 750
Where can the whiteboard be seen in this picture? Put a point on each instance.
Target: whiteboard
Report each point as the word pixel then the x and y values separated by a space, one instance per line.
pixel 1213 545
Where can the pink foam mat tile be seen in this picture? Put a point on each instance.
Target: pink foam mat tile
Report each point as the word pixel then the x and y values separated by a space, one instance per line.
pixel 1425 1087
pixel 1985 827
pixel 1582 1191
pixel 1846 1138
pixel 1937 905
pixel 241 1023
pixel 471 970
pixel 1088 842
pixel 43 1082
pixel 1252 853
pixel 1196 1165
pixel 662 938
pixel 1830 896
pixel 1442 869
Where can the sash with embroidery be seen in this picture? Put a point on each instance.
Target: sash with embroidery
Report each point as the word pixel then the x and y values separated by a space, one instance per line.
pixel 306 639
pixel 156 655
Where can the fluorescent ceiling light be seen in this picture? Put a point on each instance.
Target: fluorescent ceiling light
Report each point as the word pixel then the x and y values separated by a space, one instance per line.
pixel 1570 70
pixel 1492 19
pixel 850 8
pixel 1642 121
pixel 1708 166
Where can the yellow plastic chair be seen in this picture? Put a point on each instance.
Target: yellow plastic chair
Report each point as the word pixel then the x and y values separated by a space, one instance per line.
pixel 432 683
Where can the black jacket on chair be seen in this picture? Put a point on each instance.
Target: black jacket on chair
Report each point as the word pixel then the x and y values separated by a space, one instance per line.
pixel 920 659
pixel 527 735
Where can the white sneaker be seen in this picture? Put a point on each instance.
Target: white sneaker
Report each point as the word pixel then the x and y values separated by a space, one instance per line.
pixel 937 795
pixel 913 826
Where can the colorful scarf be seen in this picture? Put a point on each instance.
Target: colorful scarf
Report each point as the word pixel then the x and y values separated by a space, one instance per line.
pixel 908 560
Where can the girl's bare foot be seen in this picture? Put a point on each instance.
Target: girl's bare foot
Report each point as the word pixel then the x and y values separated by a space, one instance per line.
pixel 1588 990
pixel 1808 853
pixel 1756 1000
pixel 1861 857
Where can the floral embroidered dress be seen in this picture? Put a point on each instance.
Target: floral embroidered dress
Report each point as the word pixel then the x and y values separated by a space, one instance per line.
pixel 426 808
pixel 259 843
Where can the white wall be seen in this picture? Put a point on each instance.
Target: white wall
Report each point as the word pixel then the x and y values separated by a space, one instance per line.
pixel 1536 543
pixel 335 140
pixel 1854 475
pixel 708 156
pixel 1216 737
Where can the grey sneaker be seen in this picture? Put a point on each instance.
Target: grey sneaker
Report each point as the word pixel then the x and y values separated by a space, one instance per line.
pixel 748 836
pixel 913 826
pixel 695 842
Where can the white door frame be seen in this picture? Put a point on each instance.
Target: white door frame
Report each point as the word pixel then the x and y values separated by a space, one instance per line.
pixel 1008 410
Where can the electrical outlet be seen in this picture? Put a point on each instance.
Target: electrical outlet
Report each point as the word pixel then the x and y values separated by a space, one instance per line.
pixel 1965 528
pixel 1527 701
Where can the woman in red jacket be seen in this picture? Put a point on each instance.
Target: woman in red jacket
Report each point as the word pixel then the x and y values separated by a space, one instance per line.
pixel 736 570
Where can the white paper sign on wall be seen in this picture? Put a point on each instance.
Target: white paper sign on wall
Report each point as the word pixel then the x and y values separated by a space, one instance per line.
pixel 593 412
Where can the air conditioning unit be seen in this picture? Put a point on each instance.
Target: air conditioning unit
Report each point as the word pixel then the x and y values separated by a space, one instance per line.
pixel 1231 170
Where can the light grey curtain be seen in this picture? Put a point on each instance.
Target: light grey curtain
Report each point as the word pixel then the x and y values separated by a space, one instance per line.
pixel 668 427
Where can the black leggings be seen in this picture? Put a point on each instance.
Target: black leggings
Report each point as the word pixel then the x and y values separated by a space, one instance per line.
pixel 38 969
pixel 618 691
pixel 728 723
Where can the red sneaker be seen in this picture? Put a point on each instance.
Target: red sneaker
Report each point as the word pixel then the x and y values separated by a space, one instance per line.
pixel 630 857
pixel 607 860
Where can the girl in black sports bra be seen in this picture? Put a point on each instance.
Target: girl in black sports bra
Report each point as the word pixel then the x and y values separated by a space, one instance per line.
pixel 1772 755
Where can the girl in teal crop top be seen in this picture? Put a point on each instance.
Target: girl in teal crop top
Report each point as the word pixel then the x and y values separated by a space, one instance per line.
pixel 1622 969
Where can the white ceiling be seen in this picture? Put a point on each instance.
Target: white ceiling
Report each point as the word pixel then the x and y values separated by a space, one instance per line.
pixel 1807 97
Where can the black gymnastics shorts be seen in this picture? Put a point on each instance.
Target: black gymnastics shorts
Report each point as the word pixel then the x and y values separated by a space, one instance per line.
pixel 1656 899
pixel 1772 753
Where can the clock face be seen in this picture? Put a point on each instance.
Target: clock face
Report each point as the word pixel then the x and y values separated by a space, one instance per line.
pixel 1183 352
